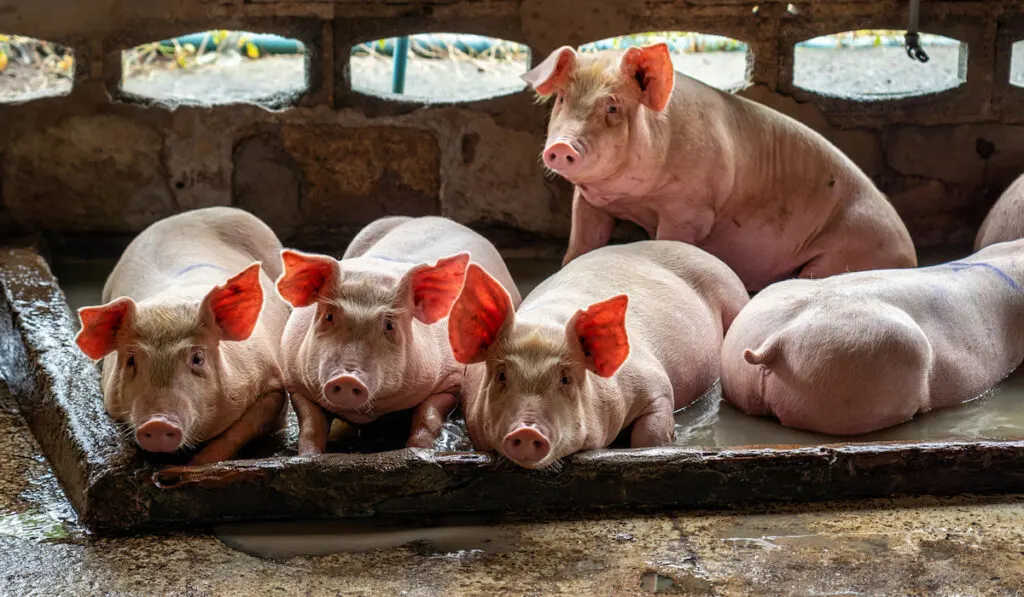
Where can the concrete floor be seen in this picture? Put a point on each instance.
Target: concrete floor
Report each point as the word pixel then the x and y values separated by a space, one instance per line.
pixel 916 547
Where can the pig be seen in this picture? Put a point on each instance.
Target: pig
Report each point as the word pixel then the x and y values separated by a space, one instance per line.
pixel 1005 221
pixel 863 351
pixel 624 335
pixel 190 334
pixel 365 339
pixel 764 193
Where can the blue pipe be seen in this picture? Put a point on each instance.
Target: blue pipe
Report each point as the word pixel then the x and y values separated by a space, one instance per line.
pixel 266 43
pixel 401 59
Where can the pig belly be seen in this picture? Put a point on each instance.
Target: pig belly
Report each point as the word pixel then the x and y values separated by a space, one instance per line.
pixel 758 256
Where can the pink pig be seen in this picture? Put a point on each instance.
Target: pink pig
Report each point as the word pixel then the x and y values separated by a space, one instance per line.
pixel 364 339
pixel 1006 219
pixel 687 162
pixel 867 350
pixel 189 357
pixel 623 335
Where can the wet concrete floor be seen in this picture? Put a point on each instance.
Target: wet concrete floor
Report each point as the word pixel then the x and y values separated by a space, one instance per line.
pixel 941 547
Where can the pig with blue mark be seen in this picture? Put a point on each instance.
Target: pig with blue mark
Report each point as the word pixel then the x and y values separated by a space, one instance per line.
pixel 863 351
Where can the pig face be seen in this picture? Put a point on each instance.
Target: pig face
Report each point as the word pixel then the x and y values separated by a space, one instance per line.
pixel 368 334
pixel 167 376
pixel 541 398
pixel 600 106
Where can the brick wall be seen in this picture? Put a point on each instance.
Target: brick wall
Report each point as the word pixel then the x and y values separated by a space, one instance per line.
pixel 95 163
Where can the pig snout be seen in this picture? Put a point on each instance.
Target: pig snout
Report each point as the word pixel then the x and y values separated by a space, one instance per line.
pixel 563 156
pixel 346 391
pixel 159 434
pixel 527 446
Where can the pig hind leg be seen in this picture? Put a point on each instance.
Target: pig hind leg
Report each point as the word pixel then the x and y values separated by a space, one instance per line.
pixel 263 418
pixel 852 374
pixel 372 233
pixel 861 241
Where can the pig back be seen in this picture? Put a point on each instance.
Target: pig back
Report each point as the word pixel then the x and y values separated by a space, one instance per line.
pixel 199 248
pixel 674 319
pixel 429 238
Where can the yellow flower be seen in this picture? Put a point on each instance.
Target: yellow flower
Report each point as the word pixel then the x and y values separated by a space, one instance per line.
pixel 251 50
pixel 3 61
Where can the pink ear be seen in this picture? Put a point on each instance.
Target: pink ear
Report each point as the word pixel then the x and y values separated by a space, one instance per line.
pixel 100 326
pixel 477 316
pixel 601 331
pixel 435 287
pixel 236 304
pixel 305 277
pixel 651 67
pixel 552 74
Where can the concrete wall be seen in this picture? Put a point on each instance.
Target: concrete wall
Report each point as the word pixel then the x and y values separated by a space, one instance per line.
pixel 94 163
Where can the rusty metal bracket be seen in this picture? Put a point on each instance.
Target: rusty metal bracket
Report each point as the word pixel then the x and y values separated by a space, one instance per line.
pixel 912 40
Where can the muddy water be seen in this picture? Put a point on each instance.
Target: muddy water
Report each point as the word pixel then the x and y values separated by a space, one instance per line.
pixel 709 422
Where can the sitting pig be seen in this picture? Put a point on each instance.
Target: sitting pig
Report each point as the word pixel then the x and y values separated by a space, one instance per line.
pixel 862 351
pixel 624 335
pixel 1006 219
pixel 764 193
pixel 363 339
pixel 191 334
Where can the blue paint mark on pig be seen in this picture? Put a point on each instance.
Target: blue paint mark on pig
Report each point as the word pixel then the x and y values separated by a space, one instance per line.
pixel 960 266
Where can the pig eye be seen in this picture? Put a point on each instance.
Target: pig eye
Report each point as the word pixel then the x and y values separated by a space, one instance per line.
pixel 565 379
pixel 197 359
pixel 329 317
pixel 131 361
pixel 500 376
pixel 612 109
pixel 389 325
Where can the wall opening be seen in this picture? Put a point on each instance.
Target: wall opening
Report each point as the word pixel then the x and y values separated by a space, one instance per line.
pixel 439 67
pixel 715 60
pixel 215 68
pixel 33 68
pixel 872 65
pixel 1017 64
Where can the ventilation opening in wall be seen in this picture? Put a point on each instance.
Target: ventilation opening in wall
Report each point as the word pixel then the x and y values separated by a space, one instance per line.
pixel 439 68
pixel 216 67
pixel 715 60
pixel 873 65
pixel 33 68
pixel 1017 64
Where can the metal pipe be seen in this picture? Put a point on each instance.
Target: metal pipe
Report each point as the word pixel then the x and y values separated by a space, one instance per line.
pixel 401 59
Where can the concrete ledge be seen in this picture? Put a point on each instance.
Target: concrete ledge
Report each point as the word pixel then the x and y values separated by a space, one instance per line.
pixel 115 491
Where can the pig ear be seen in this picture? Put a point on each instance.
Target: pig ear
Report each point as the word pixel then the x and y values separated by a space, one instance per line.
pixel 101 325
pixel 600 330
pixel 651 68
pixel 434 288
pixel 552 74
pixel 478 316
pixel 235 306
pixel 305 277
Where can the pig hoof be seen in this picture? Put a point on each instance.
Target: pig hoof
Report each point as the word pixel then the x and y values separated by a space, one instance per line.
pixel 420 440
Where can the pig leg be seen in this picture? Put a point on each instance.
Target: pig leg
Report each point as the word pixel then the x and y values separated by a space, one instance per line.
pixel 428 419
pixel 314 425
pixel 656 427
pixel 263 418
pixel 591 228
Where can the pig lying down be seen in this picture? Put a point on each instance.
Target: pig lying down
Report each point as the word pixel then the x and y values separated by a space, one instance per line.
pixel 365 338
pixel 623 335
pixel 764 193
pixel 1006 219
pixel 864 351
pixel 191 332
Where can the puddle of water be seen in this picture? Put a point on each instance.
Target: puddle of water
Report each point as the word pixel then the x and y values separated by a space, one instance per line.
pixel 709 422
pixel 319 538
